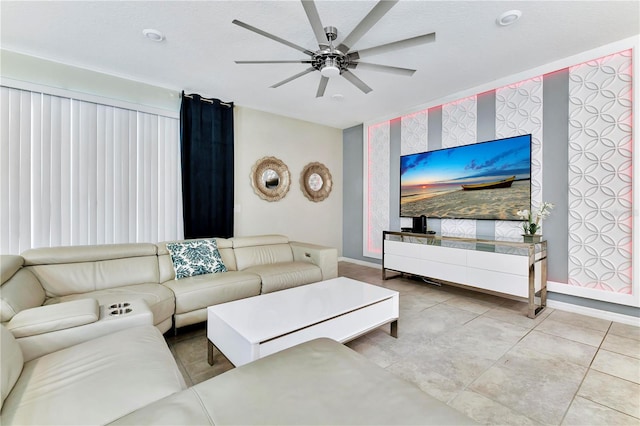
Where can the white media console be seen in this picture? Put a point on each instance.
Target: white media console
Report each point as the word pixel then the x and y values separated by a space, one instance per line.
pixel 506 266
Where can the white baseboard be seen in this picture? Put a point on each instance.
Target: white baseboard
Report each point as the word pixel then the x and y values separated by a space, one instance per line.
pixel 360 262
pixel 597 313
pixel 591 293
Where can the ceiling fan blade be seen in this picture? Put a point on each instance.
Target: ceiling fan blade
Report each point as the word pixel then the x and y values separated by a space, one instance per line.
pixel 356 81
pixel 314 19
pixel 298 61
pixel 322 86
pixel 272 37
pixel 300 74
pixel 378 11
pixel 386 68
pixel 395 45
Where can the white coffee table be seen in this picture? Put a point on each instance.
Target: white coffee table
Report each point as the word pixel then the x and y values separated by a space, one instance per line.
pixel 341 308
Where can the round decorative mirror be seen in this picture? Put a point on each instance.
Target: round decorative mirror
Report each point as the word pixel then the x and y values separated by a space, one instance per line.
pixel 315 181
pixel 270 178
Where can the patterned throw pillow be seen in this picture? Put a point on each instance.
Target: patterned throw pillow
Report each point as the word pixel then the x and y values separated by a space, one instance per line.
pixel 195 257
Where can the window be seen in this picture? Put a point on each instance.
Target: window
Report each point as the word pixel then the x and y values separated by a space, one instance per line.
pixel 74 172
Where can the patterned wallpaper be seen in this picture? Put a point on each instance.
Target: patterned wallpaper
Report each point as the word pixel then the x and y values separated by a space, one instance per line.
pixel 600 171
pixel 600 179
pixel 518 112
pixel 377 180
pixel 414 130
pixel 459 127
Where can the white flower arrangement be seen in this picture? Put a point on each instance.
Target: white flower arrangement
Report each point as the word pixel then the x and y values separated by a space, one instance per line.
pixel 531 223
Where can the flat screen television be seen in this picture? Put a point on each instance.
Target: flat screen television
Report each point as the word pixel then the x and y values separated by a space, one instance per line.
pixel 485 180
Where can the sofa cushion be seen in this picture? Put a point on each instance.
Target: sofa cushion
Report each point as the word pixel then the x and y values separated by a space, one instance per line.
pixel 258 240
pixel 160 299
pixel 195 257
pixel 21 290
pixel 59 316
pixel 11 364
pixel 88 253
pixel 318 382
pixel 94 382
pixel 202 291
pixel 165 265
pixel 63 279
pixel 279 276
pixel 10 265
pixel 267 254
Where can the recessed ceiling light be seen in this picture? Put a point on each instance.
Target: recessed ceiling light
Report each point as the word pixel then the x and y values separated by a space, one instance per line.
pixel 337 97
pixel 153 35
pixel 508 18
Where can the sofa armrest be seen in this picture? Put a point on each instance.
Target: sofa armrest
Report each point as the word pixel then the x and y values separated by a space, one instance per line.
pixel 49 318
pixel 324 257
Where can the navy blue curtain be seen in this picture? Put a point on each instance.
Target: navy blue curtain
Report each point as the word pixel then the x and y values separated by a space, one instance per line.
pixel 206 143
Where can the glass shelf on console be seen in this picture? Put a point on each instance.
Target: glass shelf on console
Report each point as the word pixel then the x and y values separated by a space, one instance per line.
pixel 505 245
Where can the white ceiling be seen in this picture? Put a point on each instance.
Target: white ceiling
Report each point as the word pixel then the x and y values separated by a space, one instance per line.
pixel 201 46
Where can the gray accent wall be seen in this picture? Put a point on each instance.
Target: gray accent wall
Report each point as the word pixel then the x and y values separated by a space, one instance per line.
pixel 486 116
pixel 486 131
pixel 434 130
pixel 555 173
pixel 434 141
pixel 352 196
pixel 394 173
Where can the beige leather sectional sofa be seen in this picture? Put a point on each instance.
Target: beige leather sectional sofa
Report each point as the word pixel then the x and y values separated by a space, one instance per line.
pixel 94 382
pixel 130 378
pixel 66 359
pixel 52 298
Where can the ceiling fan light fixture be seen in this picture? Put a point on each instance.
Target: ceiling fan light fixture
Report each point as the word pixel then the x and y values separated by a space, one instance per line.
pixel 330 68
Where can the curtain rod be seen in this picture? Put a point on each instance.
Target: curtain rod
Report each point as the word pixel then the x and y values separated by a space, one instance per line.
pixel 206 100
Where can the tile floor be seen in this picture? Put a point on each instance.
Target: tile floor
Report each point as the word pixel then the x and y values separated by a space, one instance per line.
pixel 481 355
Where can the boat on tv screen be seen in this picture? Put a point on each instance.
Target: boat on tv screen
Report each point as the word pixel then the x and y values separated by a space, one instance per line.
pixel 486 180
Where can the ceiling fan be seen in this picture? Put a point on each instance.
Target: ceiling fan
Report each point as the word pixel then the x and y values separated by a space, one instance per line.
pixel 332 61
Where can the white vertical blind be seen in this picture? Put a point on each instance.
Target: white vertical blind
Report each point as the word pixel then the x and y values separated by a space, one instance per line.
pixel 75 172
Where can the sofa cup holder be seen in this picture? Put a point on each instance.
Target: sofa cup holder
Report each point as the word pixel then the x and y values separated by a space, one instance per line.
pixel 120 309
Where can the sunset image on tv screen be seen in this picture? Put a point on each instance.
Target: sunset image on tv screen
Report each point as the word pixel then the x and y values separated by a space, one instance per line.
pixel 487 180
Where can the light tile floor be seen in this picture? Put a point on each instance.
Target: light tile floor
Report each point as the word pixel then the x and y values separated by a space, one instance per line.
pixel 481 355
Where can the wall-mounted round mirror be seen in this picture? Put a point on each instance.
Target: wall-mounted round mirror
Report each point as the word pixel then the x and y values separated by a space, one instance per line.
pixel 270 178
pixel 315 181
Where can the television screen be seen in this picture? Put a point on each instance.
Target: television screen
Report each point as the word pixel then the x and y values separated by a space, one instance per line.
pixel 486 180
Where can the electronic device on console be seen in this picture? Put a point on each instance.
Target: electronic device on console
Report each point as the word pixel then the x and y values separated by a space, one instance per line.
pixel 420 224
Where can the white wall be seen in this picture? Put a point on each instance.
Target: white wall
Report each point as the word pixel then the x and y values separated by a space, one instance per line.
pixel 260 134
pixel 24 71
